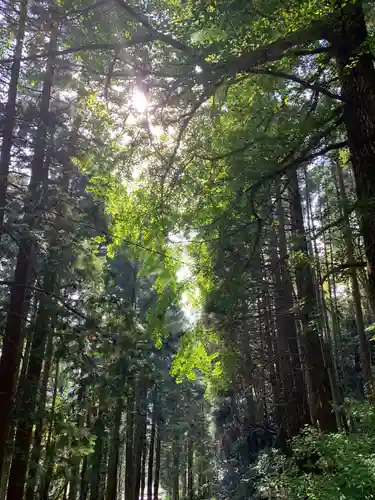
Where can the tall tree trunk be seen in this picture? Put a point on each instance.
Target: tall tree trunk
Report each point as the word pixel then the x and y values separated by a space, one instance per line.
pixel 97 457
pixel 150 466
pixel 84 487
pixel 190 477
pixel 144 463
pixel 299 395
pixel 288 409
pixel 103 468
pixel 357 74
pixel 312 344
pixel 10 111
pixel 12 343
pixel 176 469
pixel 294 391
pixel 38 433
pixel 139 436
pixel 18 470
pixel 274 371
pixel 356 295
pixel 183 480
pixel 332 327
pixel 129 465
pixel 50 442
pixel 114 451
pixel 76 460
pixel 35 454
pixel 157 460
pixel 16 411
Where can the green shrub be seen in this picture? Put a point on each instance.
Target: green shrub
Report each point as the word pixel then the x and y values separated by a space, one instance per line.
pixel 338 466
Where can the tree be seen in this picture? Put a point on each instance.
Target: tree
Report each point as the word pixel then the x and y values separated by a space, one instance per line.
pixel 182 301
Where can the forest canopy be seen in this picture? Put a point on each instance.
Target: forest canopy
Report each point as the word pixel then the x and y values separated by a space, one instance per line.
pixel 187 243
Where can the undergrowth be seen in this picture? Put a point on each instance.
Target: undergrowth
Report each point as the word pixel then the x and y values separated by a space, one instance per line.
pixel 339 466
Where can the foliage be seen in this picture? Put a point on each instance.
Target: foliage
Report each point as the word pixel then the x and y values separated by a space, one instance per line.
pixel 335 466
pixel 186 212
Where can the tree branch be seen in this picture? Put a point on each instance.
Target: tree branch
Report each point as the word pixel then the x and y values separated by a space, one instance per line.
pixel 304 157
pixel 342 267
pixel 274 51
pixel 41 290
pixel 84 10
pixel 140 18
pixel 336 222
pixel 136 40
pixel 304 83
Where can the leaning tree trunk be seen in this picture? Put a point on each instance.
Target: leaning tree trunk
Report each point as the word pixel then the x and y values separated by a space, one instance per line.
pixel 357 75
pixel 10 112
pixel 12 343
pixel 312 344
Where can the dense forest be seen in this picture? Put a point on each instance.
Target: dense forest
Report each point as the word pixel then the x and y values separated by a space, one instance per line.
pixel 187 249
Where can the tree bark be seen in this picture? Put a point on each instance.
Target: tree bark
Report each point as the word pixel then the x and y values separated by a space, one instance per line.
pixel 12 344
pixel 294 398
pixel 129 465
pixel 76 460
pixel 139 436
pixel 16 411
pixel 10 112
pixel 18 469
pixel 99 430
pixel 357 75
pixel 157 460
pixel 50 442
pixel 312 344
pixel 274 371
pixel 356 295
pixel 84 487
pixel 150 466
pixel 175 469
pixel 298 394
pixel 144 462
pixel 183 482
pixel 190 477
pixel 38 433
pixel 114 451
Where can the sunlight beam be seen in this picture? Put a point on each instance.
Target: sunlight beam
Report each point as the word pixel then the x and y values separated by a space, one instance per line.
pixel 139 100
